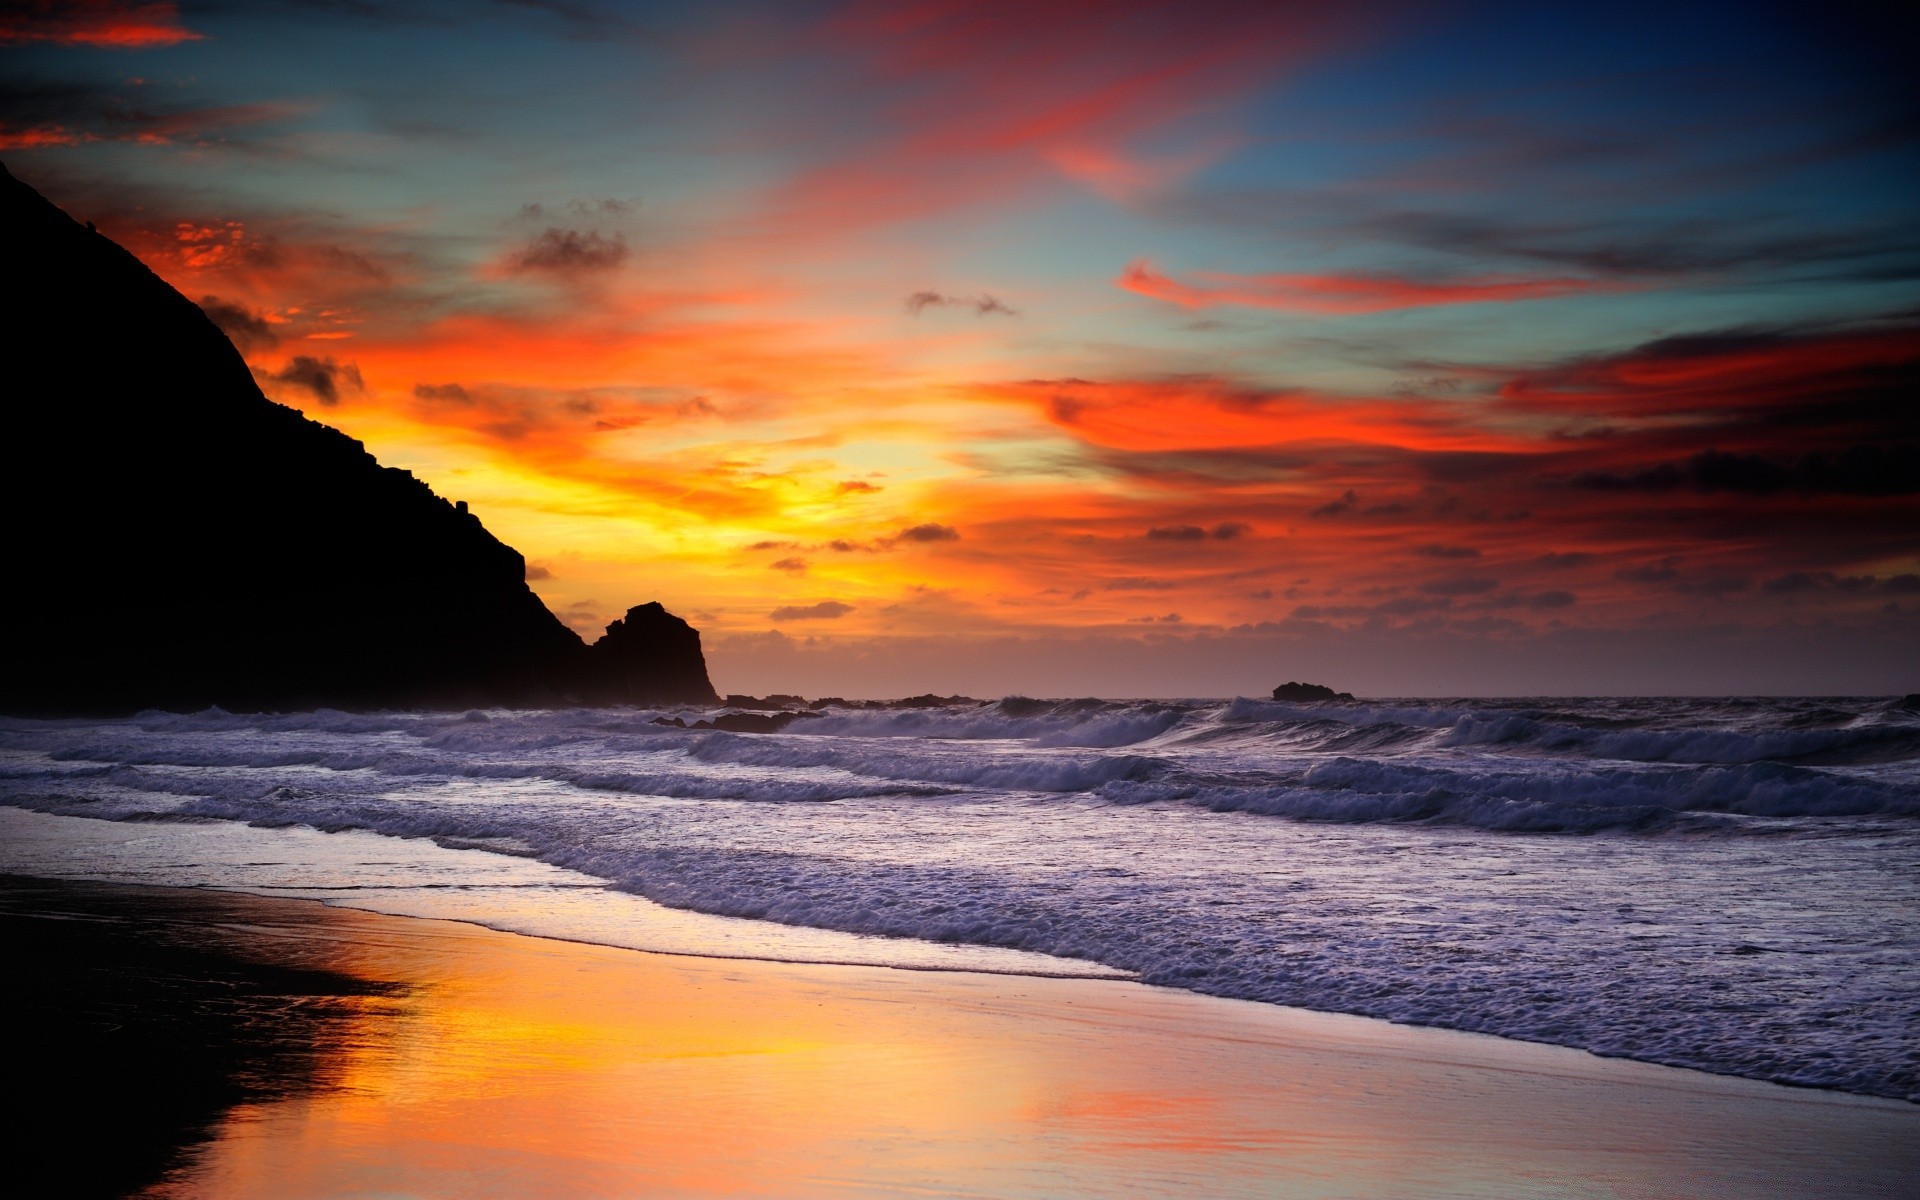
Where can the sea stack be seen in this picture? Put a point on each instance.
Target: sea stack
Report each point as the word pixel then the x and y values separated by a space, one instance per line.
pixel 1308 693
pixel 177 540
pixel 649 655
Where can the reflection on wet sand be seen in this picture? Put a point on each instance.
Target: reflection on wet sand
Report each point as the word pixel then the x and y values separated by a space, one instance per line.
pixel 141 1016
pixel 515 1066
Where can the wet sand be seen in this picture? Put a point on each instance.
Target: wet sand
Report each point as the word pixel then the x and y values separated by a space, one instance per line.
pixel 140 1018
pixel 449 1060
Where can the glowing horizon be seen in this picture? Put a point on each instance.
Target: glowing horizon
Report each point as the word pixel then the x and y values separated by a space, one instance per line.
pixel 968 343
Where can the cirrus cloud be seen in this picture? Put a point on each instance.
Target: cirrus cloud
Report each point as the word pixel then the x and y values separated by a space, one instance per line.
pixel 1342 294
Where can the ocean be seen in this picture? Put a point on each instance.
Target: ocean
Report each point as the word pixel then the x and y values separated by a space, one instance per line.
pixel 1726 885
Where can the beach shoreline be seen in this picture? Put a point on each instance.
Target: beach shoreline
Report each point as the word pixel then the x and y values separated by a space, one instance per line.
pixel 529 1066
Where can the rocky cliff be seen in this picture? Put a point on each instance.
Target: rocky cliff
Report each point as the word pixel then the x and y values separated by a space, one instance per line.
pixel 175 539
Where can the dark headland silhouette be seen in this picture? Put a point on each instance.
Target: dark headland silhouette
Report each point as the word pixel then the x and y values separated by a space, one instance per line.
pixel 176 540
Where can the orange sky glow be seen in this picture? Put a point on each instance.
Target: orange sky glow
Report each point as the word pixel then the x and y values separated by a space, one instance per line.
pixel 989 323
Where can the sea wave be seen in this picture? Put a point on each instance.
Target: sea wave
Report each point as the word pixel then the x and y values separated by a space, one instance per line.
pixel 1356 857
pixel 1565 767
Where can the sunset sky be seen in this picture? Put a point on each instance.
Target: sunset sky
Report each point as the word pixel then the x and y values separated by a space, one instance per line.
pixel 1065 348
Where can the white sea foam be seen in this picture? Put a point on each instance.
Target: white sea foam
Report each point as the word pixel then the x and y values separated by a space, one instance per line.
pixel 1751 902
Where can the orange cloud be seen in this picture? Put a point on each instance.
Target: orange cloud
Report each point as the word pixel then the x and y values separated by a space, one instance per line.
pixel 302 282
pixel 1333 294
pixel 1205 413
pixel 102 23
pixel 649 437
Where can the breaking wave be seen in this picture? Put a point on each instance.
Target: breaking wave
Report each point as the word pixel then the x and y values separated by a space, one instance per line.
pixel 1647 766
pixel 1704 883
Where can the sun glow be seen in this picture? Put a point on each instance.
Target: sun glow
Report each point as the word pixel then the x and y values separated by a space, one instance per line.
pixel 1080 295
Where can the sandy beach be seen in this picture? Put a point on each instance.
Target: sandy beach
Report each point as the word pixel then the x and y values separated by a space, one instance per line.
pixel 1137 598
pixel 485 1063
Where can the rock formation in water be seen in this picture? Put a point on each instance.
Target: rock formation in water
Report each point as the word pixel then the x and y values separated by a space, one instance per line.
pixel 1308 693
pixel 177 540
pixel 645 657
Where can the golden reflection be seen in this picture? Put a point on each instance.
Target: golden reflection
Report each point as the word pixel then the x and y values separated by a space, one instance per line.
pixel 529 1068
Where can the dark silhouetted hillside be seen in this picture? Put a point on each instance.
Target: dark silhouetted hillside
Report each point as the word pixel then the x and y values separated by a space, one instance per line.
pixel 175 539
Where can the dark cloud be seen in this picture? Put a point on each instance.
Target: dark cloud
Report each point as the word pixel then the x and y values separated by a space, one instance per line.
pixel 825 610
pixel 1138 583
pixel 581 213
pixel 1323 612
pixel 1606 247
pixel 574 21
pixel 248 331
pixel 442 393
pixel 1346 502
pixel 1559 560
pixel 1460 585
pixel 1663 478
pixel 1859 470
pixel 536 571
pixel 65 112
pixel 1715 586
pixel 29 101
pixel 570 252
pixel 794 565
pixel 1791 584
pixel 326 378
pixel 1447 551
pixel 1409 606
pixel 856 485
pixel 1795 583
pixel 1467 466
pixel 1224 532
pixel 1757 381
pixel 1543 601
pixel 1663 571
pixel 584 22
pixel 928 533
pixel 982 305
pixel 1747 451
pixel 1855 471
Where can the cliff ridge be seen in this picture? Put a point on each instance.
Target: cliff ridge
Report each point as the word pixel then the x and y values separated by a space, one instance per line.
pixel 177 540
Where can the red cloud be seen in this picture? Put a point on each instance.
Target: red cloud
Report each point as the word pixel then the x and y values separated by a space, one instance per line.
pixel 38 136
pixel 983 101
pixel 1722 374
pixel 1341 293
pixel 1207 413
pixel 152 128
pixel 1749 472
pixel 102 23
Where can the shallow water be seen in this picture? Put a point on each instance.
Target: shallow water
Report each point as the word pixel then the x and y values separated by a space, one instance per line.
pixel 1727 885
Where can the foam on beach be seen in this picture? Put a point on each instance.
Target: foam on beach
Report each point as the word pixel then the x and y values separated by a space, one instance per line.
pixel 1728 885
pixel 477 1063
